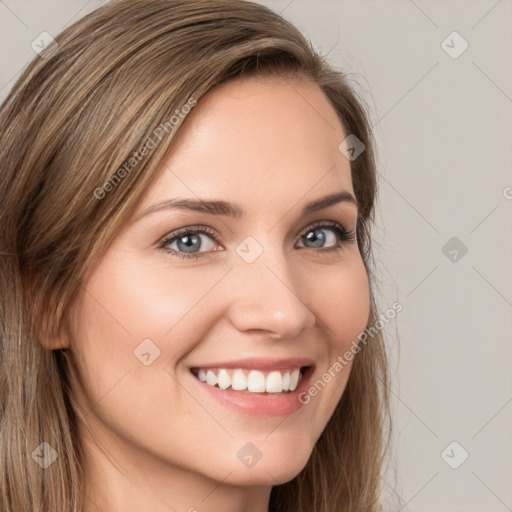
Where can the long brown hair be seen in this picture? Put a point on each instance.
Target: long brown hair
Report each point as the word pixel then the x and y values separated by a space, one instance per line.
pixel 78 113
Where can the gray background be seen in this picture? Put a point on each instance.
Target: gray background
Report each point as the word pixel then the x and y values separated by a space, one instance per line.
pixel 443 127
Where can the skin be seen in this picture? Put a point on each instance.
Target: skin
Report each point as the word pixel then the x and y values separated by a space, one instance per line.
pixel 152 440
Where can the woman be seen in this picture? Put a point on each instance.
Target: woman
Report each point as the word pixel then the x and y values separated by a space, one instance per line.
pixel 187 191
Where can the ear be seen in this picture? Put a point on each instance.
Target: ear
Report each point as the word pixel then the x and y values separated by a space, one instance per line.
pixel 56 341
pixel 61 335
pixel 52 327
pixel 43 317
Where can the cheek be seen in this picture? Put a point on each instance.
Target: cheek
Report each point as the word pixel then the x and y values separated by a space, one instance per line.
pixel 342 303
pixel 342 308
pixel 125 303
pixel 129 301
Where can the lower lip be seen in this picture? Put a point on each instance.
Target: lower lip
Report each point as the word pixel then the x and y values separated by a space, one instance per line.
pixel 259 404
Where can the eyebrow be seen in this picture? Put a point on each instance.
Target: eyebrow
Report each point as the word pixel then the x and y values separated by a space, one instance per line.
pixel 236 211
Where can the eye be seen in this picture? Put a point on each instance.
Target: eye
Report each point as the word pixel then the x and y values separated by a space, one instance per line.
pixel 188 241
pixel 316 234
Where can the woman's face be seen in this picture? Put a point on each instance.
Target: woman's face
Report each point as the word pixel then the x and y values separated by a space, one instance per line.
pixel 245 300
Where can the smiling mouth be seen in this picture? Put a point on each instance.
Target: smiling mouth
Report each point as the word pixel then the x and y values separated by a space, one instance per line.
pixel 251 380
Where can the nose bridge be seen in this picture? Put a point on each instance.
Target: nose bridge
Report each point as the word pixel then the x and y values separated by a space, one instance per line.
pixel 266 296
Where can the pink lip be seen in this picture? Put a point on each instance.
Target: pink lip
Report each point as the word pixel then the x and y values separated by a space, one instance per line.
pixel 261 364
pixel 260 404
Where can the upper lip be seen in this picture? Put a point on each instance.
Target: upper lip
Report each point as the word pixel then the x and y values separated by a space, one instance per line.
pixel 264 364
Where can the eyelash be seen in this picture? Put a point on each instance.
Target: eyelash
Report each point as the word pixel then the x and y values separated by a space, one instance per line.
pixel 345 236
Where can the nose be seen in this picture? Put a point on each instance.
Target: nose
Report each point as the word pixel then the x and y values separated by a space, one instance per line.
pixel 265 298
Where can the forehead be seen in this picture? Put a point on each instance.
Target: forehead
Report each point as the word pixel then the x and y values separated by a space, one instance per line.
pixel 256 139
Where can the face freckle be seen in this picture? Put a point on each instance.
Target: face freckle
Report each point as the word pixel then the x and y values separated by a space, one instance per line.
pixel 263 296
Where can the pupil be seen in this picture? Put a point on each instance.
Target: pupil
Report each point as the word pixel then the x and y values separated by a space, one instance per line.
pixel 316 236
pixel 189 241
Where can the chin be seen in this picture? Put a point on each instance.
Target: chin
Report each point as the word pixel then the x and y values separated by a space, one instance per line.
pixel 275 467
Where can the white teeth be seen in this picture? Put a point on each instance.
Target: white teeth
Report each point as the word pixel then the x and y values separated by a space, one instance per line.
pixel 239 380
pixel 211 378
pixel 274 383
pixel 294 379
pixel 286 381
pixel 253 381
pixel 256 382
pixel 223 379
